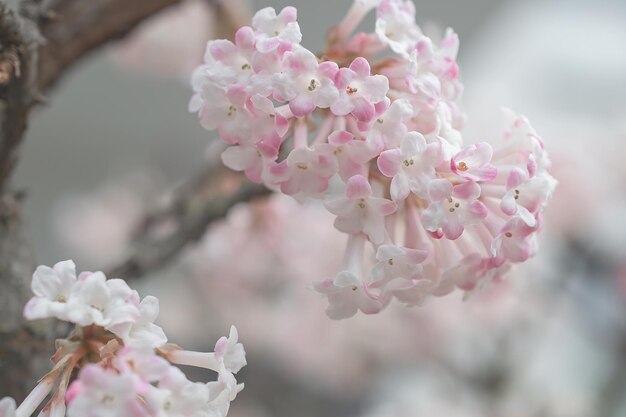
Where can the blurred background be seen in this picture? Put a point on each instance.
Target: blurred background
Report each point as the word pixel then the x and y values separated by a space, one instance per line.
pixel 550 341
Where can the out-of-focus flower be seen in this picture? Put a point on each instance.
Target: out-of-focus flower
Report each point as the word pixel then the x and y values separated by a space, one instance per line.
pixel 126 366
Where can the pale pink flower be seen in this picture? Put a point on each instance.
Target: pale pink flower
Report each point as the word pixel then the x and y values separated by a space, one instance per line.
pixel 255 161
pixel 142 331
pixel 229 351
pixel 474 163
pixel 96 300
pixel 360 211
pixel 411 167
pixel 52 288
pixel 305 171
pixel 395 24
pixel 397 262
pixel 305 83
pixel 526 196
pixel 103 393
pixel 359 91
pixel 452 208
pixel 351 154
pixel 177 396
pixel 388 128
pixel 272 29
pixel 516 240
pixel 348 292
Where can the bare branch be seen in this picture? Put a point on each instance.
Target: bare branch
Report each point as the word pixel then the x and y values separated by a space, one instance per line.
pixel 167 231
pixel 73 29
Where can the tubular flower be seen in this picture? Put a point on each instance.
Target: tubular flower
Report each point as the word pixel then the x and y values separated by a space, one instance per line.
pixel 125 367
pixel 425 212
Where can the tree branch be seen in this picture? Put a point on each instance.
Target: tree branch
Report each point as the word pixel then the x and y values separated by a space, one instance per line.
pixel 167 231
pixel 73 29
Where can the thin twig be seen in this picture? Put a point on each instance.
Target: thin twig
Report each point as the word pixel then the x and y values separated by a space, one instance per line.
pixel 166 232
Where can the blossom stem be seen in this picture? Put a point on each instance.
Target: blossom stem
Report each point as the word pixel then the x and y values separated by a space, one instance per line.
pixel 36 397
pixel 300 132
pixel 198 359
pixel 325 129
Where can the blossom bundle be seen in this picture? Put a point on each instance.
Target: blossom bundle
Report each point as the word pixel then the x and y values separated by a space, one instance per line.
pixel 425 213
pixel 125 365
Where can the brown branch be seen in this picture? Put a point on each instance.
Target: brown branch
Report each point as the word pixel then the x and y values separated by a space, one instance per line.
pixel 73 29
pixel 166 232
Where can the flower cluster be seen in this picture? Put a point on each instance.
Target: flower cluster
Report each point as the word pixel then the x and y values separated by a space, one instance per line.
pixel 125 365
pixel 425 213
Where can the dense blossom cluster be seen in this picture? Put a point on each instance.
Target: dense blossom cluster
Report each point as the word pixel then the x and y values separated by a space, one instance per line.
pixel 125 365
pixel 425 213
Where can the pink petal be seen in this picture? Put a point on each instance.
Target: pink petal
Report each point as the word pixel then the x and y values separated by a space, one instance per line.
pixel 389 162
pixel 358 187
pixel 361 67
pixel 399 187
pixel 363 110
pixel 515 178
pixel 467 190
pixel 340 137
pixel 302 105
pixel 453 229
pixel 439 189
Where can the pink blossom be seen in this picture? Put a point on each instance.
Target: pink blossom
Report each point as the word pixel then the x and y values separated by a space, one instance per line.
pixel 351 154
pixel 516 240
pixel 271 30
pixel 304 172
pixel 388 128
pixel 397 262
pixel 395 24
pixel 104 393
pixel 348 293
pixel 52 288
pixel 359 91
pixel 305 83
pixel 525 196
pixel 411 166
pixel 360 212
pixel 255 161
pixel 453 207
pixel 473 163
